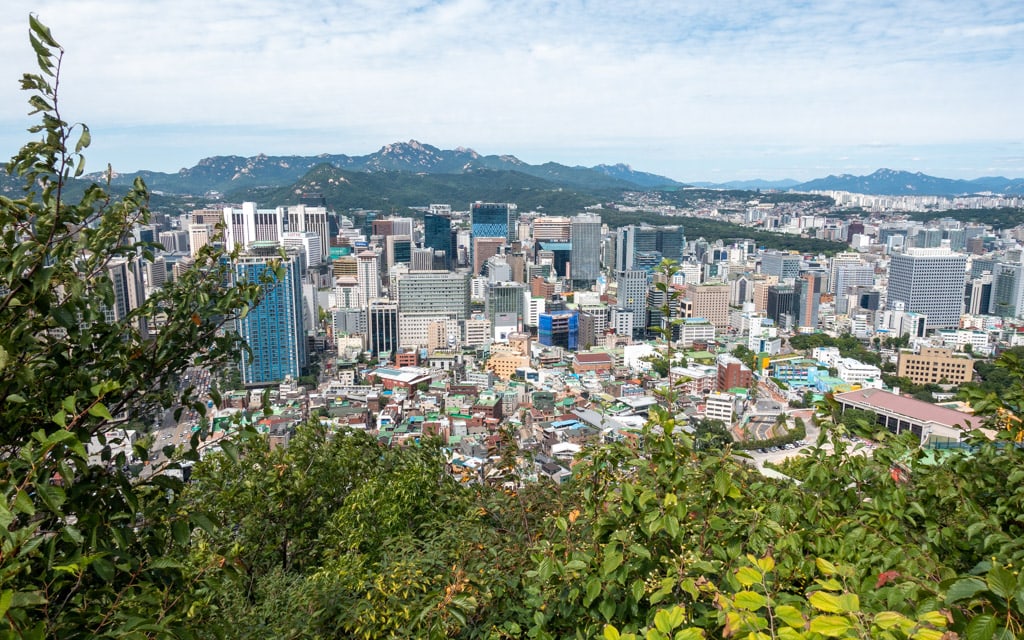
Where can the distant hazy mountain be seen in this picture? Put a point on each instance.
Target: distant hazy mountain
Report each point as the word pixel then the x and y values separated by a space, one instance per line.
pixel 890 182
pixel 642 178
pixel 749 185
pixel 227 173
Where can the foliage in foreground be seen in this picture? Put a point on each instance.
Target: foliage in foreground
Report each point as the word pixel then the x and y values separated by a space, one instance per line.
pixel 87 547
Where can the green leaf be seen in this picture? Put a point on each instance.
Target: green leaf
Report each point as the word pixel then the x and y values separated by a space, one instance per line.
pixel 15 397
pixel 750 600
pixel 964 589
pixel 84 140
pixel 5 601
pixel 662 621
pixel 593 590
pixel 1001 582
pixel 610 632
pixel 824 601
pixel 831 626
pixel 607 608
pixel 99 410
pixel 748 576
pixel 790 615
pixel 25 599
pixel 53 497
pixel 181 531
pixel 825 567
pixel 982 627
pixel 104 568
pixel 23 504
pixel 637 589
pixel 612 561
pixel 689 634
pixel 890 619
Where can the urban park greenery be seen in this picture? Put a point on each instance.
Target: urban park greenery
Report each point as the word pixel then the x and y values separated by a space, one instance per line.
pixel 337 536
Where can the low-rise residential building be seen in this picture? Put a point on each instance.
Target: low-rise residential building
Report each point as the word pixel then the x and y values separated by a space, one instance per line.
pixel 935 365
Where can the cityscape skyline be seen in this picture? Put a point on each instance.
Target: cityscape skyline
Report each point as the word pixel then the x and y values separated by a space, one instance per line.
pixel 698 93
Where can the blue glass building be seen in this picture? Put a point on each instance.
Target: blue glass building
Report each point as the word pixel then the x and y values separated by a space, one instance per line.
pixel 559 329
pixel 273 328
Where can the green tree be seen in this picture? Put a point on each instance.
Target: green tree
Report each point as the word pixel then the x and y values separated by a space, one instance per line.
pixel 88 549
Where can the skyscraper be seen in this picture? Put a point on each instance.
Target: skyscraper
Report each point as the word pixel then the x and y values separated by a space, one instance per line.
pixel 305 219
pixel 785 266
pixel 807 290
pixel 382 326
pixel 495 220
pixel 585 256
pixel 632 295
pixel 931 282
pixel 248 225
pixel 437 235
pixel 273 328
pixel 368 275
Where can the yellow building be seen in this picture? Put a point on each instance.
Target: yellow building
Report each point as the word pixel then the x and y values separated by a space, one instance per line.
pixel 935 365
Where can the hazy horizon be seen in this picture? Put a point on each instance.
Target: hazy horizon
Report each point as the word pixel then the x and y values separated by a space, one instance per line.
pixel 709 92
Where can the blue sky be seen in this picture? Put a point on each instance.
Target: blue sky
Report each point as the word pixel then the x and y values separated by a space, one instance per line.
pixel 708 90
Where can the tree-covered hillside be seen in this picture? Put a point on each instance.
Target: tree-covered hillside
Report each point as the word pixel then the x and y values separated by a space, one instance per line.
pixel 345 190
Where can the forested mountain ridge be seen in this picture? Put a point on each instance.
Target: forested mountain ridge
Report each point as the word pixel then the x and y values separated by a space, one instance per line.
pixel 228 173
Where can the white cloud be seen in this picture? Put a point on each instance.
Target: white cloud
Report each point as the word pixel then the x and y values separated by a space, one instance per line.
pixel 650 83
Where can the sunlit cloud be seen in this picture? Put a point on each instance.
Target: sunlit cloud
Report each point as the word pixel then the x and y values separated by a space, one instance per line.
pixel 666 88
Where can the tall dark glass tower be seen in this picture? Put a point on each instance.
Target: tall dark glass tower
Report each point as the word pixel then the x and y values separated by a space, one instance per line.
pixel 437 235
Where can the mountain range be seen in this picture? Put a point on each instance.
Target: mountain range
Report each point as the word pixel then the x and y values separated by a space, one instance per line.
pixel 439 169
pixel 228 173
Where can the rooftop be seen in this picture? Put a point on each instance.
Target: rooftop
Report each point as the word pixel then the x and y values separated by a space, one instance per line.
pixel 917 410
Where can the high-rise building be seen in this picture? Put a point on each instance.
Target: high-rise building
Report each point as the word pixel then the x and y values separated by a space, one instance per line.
pixel 156 272
pixel 129 292
pixel 174 240
pixel 494 220
pixel 978 296
pixel 273 329
pixel 671 242
pixel 306 242
pixel 483 249
pixel 398 249
pixel 841 260
pixel 199 235
pixel 807 290
pixel 1007 292
pixel 785 266
pixel 504 305
pixel 248 225
pixel 585 255
pixel 632 295
pixel 559 329
pixel 930 282
pixel 437 235
pixel 846 279
pixel 780 304
pixel 368 275
pixel 711 302
pixel 434 293
pixel 552 228
pixel 382 327
pixel 310 219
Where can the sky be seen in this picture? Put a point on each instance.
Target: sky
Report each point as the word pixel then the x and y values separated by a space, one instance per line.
pixel 702 90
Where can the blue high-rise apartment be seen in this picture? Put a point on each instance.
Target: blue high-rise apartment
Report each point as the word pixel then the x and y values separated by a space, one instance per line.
pixel 273 328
